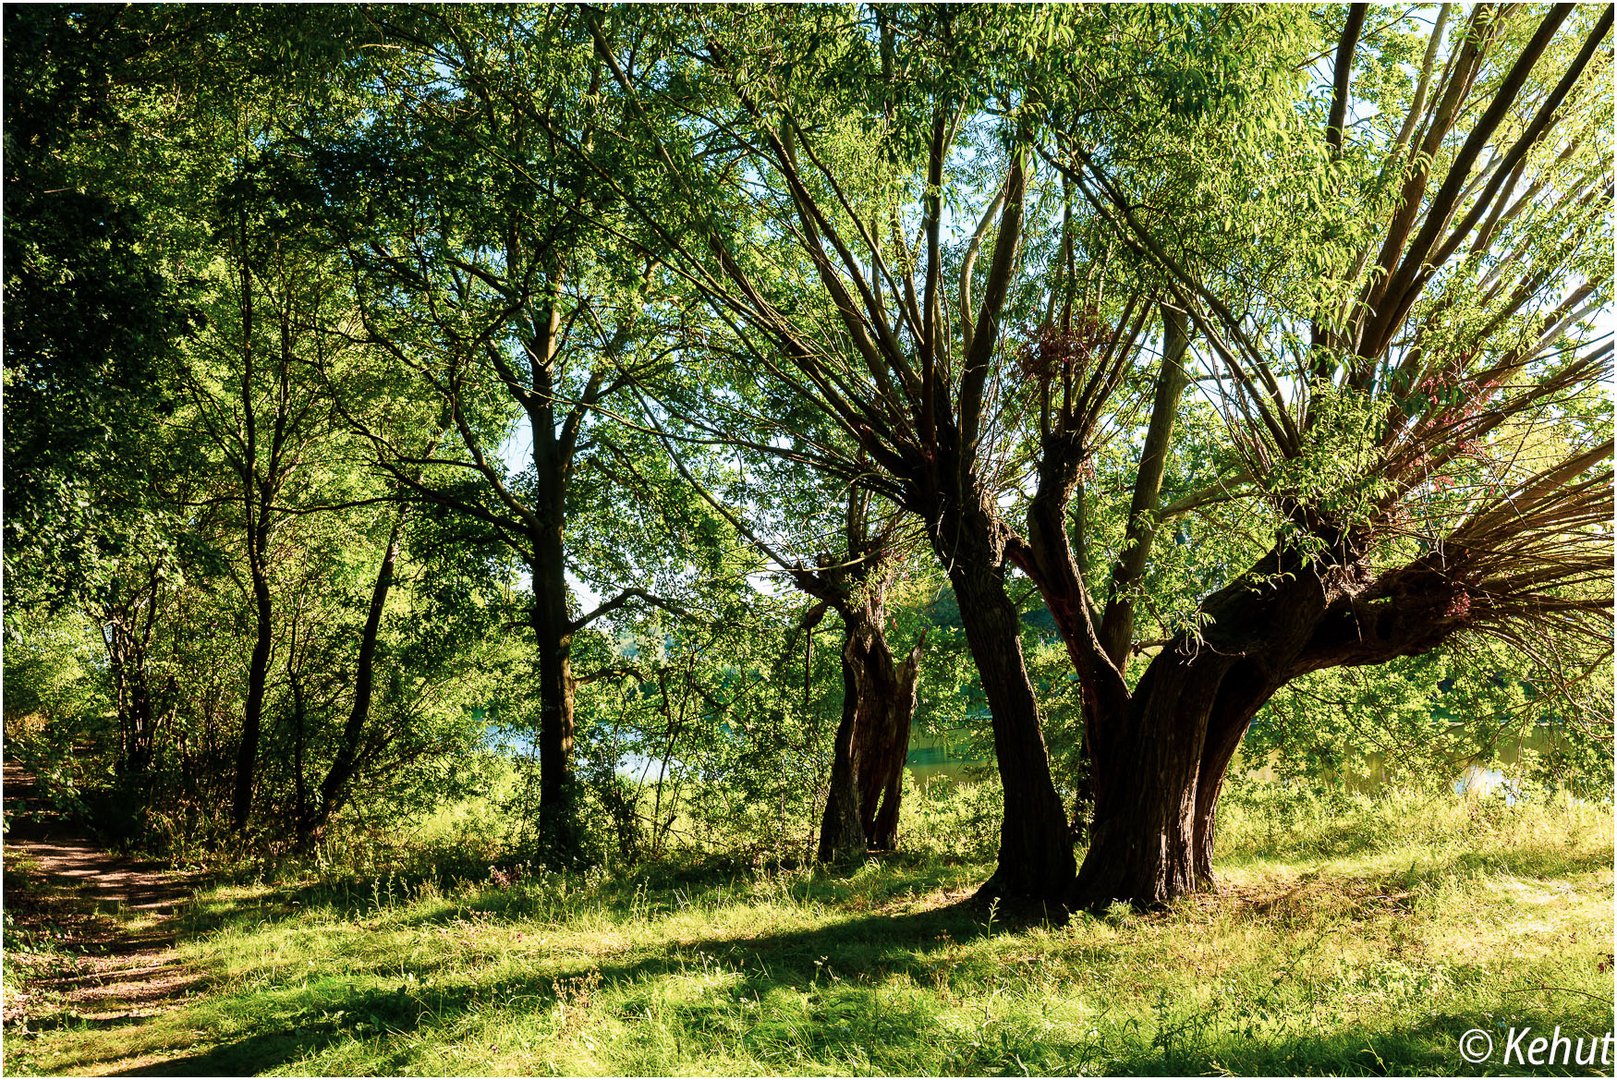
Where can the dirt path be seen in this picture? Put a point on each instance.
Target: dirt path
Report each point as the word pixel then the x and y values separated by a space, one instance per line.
pixel 90 935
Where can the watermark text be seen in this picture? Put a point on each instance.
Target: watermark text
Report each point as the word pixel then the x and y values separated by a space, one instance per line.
pixel 1525 1046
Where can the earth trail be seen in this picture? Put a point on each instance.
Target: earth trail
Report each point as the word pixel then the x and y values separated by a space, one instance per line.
pixel 109 921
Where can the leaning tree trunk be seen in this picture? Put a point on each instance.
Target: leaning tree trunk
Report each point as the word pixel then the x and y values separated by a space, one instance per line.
pixel 867 767
pixel 1035 849
pixel 842 839
pixel 336 788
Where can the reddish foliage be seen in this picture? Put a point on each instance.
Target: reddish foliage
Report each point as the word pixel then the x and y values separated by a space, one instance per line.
pixel 1054 351
pixel 1459 605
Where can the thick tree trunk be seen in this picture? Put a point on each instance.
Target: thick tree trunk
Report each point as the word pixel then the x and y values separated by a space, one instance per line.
pixel 867 769
pixel 1153 835
pixel 842 839
pixel 553 635
pixel 1143 847
pixel 1035 851
pixel 1159 776
pixel 1243 692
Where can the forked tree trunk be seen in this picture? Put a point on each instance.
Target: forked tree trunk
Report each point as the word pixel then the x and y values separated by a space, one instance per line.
pixel 1160 772
pixel 1153 831
pixel 1144 841
pixel 1224 733
pixel 867 767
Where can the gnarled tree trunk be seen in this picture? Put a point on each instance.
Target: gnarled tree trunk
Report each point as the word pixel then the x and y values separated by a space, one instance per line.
pixel 842 839
pixel 867 769
pixel 887 694
pixel 1161 765
pixel 1154 806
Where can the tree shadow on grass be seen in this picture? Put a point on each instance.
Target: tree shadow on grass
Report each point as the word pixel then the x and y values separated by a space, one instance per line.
pixel 652 893
pixel 817 1000
pixel 819 986
pixel 871 947
pixel 1186 1048
pixel 247 1057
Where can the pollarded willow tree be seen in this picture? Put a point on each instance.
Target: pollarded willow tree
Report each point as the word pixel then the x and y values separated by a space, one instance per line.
pixel 879 689
pixel 1404 374
pixel 861 551
pixel 889 234
pixel 800 163
pixel 1409 371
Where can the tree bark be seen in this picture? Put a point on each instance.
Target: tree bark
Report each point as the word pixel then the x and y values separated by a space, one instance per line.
pixel 887 694
pixel 336 788
pixel 842 839
pixel 1144 841
pixel 252 715
pixel 553 636
pixel 1153 834
pixel 1159 774
pixel 1035 852
pixel 867 769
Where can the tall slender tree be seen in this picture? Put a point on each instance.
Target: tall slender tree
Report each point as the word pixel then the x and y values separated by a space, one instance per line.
pixel 484 273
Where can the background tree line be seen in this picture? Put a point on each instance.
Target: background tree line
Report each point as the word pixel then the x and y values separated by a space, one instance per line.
pixel 699 399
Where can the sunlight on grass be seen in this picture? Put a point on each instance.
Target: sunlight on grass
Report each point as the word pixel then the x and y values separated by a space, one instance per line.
pixel 1358 937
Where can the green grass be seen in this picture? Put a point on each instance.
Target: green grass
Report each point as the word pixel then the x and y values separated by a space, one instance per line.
pixel 1352 935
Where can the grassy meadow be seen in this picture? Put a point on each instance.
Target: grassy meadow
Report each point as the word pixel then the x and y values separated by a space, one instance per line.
pixel 1352 934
